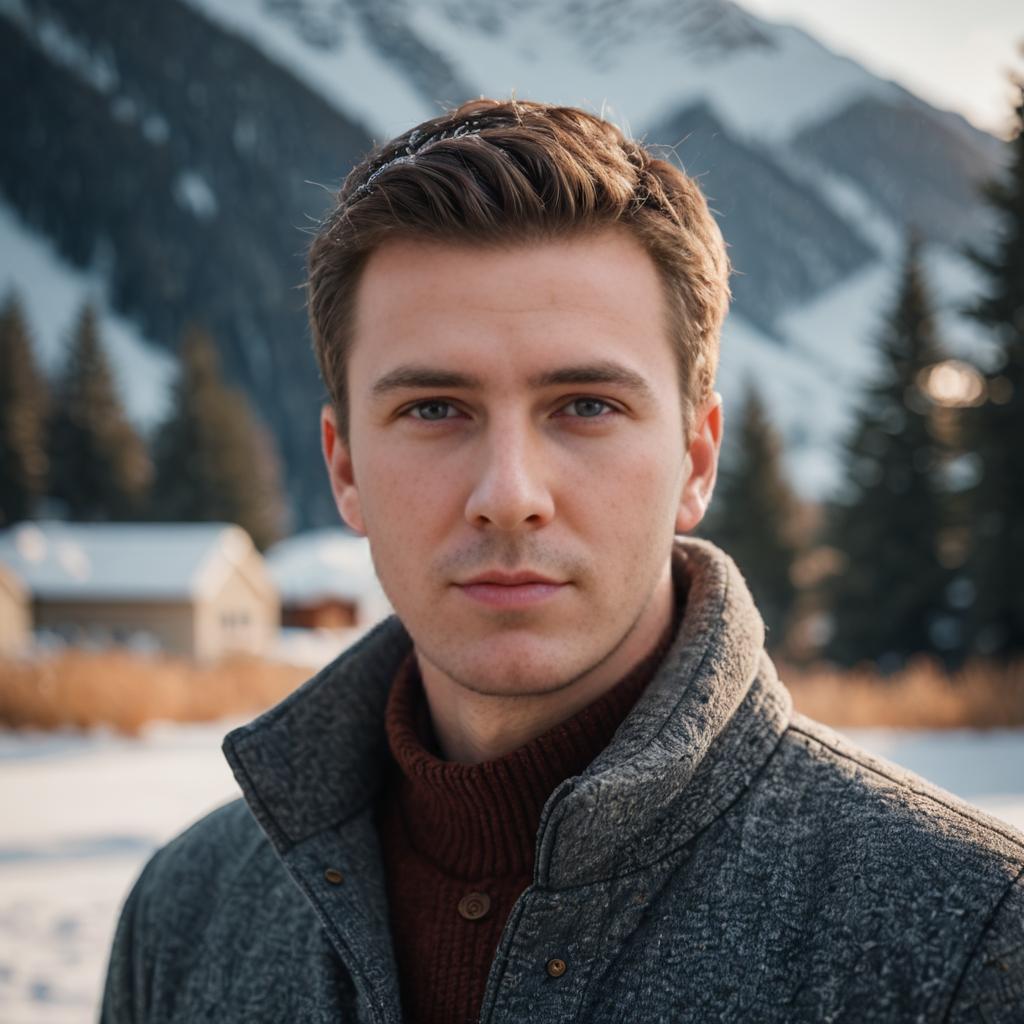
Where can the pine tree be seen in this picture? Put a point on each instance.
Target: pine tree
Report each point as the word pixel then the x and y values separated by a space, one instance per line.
pixel 889 600
pixel 994 430
pixel 23 409
pixel 753 513
pixel 215 460
pixel 100 467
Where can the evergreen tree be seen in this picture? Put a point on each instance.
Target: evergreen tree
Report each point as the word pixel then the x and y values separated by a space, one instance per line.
pixel 23 405
pixel 753 513
pixel 994 430
pixel 100 467
pixel 215 460
pixel 889 600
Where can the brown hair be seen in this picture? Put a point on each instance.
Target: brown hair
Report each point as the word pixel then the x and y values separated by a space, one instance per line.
pixel 493 172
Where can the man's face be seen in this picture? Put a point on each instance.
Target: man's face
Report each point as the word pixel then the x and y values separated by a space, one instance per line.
pixel 516 454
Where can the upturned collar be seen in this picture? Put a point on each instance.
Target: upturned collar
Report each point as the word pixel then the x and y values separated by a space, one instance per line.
pixel 702 729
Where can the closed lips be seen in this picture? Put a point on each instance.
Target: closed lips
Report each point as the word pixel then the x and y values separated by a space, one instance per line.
pixel 518 579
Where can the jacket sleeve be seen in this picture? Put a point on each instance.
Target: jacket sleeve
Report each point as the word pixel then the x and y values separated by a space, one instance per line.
pixel 126 991
pixel 992 987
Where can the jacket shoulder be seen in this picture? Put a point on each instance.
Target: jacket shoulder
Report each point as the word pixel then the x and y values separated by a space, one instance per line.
pixel 178 893
pixel 212 848
pixel 898 864
pixel 863 810
pixel 855 784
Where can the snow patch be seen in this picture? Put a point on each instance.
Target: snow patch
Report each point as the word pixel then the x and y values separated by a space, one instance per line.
pixel 155 129
pixel 192 192
pixel 124 109
pixel 955 282
pixel 799 397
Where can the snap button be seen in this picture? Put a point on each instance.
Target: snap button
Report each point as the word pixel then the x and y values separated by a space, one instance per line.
pixel 474 905
pixel 556 967
pixel 334 876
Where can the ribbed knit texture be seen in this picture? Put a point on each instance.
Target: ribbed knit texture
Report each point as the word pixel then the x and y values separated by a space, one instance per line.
pixel 450 830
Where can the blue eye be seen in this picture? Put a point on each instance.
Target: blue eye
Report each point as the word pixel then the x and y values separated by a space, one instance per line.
pixel 432 411
pixel 588 408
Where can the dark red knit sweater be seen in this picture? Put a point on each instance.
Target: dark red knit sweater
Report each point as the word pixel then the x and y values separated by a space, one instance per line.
pixel 458 839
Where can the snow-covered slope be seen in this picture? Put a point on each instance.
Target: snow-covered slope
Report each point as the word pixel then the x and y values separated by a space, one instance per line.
pixel 755 75
pixel 636 61
pixel 329 48
pixel 53 292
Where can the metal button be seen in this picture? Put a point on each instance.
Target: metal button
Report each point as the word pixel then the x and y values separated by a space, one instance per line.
pixel 474 905
pixel 556 967
pixel 334 876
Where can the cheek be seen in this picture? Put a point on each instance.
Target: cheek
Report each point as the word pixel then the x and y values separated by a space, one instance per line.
pixel 628 492
pixel 409 504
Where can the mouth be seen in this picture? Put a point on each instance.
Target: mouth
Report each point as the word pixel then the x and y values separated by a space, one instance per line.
pixel 498 589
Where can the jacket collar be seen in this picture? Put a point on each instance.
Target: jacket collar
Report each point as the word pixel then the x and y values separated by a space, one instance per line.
pixel 706 724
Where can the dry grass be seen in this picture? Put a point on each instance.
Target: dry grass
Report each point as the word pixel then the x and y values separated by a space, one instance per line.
pixel 123 690
pixel 981 695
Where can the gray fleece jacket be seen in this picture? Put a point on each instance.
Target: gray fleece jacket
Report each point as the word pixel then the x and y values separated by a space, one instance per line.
pixel 723 859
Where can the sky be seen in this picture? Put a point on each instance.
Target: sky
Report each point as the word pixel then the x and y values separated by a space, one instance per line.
pixel 953 53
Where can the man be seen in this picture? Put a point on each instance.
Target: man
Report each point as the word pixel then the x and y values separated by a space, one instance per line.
pixel 564 783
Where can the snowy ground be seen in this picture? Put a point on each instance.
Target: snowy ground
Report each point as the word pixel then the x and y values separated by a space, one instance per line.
pixel 81 814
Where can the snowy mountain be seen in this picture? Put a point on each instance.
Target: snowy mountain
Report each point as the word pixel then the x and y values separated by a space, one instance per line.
pixel 172 149
pixel 639 60
pixel 179 165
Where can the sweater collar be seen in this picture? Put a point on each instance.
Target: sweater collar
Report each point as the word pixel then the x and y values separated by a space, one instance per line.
pixel 480 820
pixel 694 740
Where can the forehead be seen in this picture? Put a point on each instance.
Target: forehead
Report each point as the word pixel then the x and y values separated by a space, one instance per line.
pixel 598 294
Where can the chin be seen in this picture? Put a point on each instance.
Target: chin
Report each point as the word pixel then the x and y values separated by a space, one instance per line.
pixel 511 667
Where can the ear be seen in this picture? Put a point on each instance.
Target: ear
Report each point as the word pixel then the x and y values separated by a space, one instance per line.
pixel 701 465
pixel 338 457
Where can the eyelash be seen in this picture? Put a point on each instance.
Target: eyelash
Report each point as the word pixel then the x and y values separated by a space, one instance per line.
pixel 410 410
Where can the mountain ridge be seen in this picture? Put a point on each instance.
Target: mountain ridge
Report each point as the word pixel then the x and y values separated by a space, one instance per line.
pixel 200 127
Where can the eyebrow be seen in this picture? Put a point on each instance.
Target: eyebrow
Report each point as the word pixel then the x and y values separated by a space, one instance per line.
pixel 412 376
pixel 604 371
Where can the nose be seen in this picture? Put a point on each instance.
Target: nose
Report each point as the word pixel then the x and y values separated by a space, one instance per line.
pixel 511 491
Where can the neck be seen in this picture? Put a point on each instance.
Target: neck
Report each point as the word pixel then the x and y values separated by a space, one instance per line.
pixel 473 727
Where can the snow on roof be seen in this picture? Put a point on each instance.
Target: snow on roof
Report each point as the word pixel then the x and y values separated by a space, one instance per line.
pixel 323 564
pixel 138 561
